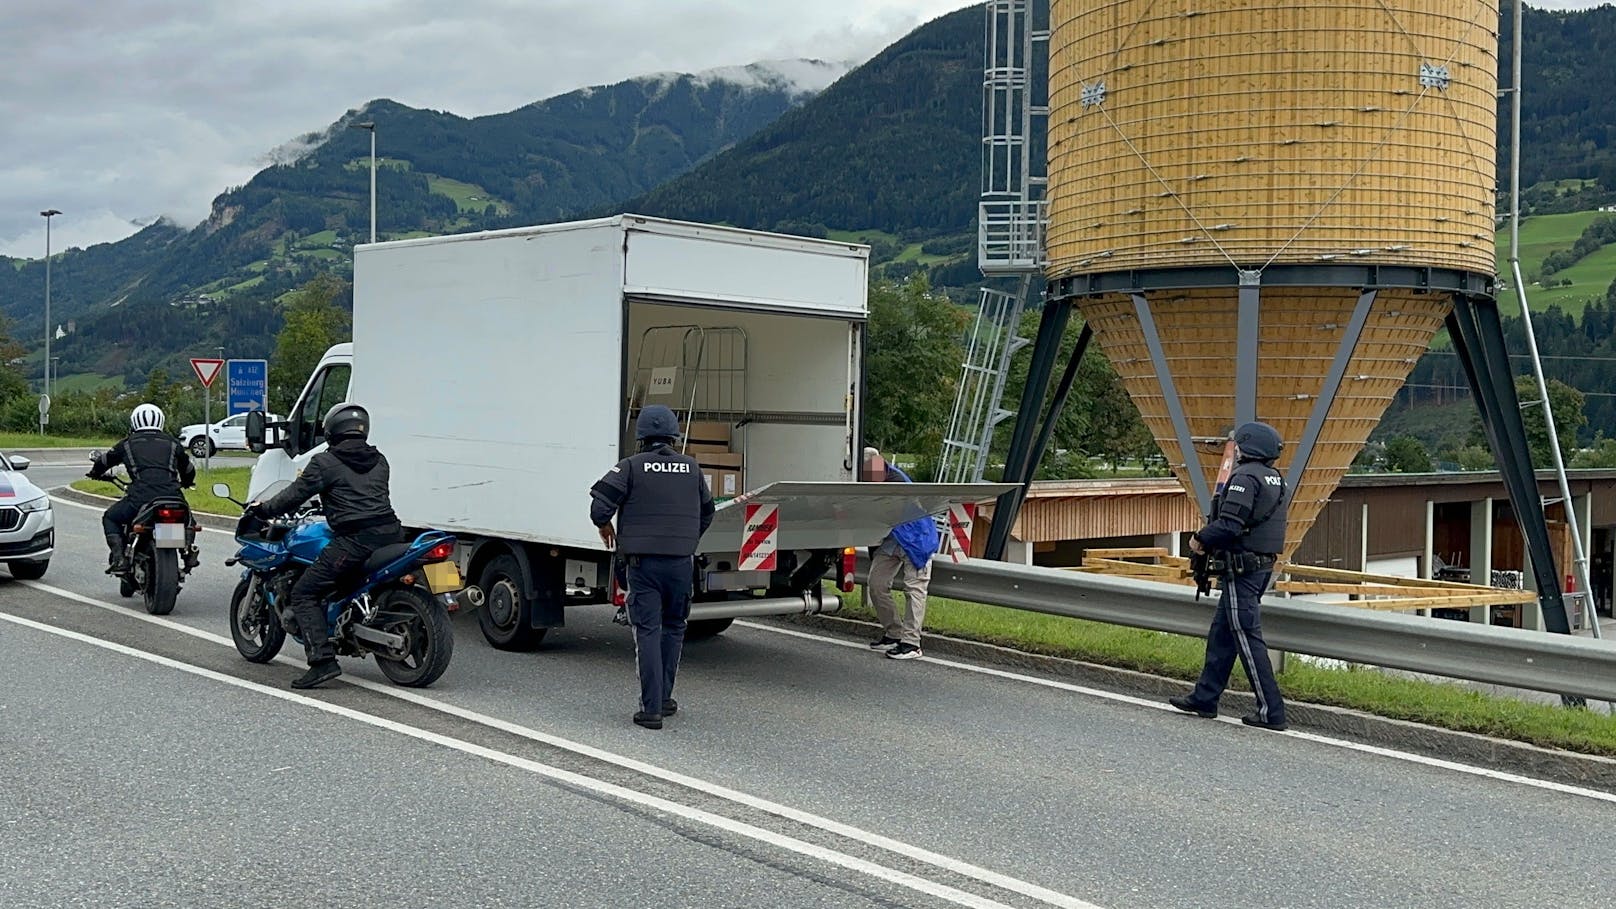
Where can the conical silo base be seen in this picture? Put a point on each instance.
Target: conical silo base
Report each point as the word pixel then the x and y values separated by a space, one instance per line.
pixel 1303 343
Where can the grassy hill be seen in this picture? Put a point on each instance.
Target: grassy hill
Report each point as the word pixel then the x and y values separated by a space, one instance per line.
pixel 1545 234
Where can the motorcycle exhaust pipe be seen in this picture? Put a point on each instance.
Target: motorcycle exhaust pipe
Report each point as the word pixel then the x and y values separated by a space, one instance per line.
pixel 471 597
pixel 809 602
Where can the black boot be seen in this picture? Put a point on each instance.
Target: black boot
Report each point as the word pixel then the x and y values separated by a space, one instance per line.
pixel 320 672
pixel 116 561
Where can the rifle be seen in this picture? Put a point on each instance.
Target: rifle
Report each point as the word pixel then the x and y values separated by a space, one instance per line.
pixel 1201 572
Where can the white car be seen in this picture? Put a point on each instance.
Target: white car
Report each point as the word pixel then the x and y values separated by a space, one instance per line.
pixel 230 433
pixel 27 523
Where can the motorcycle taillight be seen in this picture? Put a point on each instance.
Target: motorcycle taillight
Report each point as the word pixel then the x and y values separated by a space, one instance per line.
pixel 439 553
pixel 170 515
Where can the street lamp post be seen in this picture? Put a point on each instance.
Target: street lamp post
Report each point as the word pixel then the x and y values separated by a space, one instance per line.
pixel 47 214
pixel 370 126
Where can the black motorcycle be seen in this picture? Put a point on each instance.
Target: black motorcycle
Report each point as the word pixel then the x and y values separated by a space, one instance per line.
pixel 159 551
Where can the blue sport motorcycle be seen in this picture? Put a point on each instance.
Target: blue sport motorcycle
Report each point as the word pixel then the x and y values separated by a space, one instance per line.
pixel 396 608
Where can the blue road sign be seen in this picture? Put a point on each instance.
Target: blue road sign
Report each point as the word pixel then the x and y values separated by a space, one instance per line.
pixel 249 385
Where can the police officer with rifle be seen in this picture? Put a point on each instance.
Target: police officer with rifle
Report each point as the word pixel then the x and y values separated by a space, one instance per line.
pixel 1239 545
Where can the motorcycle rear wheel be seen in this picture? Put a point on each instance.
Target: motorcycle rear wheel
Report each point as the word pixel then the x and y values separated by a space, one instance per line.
pixel 163 582
pixel 254 627
pixel 428 637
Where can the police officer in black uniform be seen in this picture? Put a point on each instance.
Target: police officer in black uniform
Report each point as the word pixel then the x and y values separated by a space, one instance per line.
pixel 158 466
pixel 663 507
pixel 1242 541
pixel 351 478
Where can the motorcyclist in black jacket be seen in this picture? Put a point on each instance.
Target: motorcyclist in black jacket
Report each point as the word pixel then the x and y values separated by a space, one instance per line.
pixel 351 479
pixel 158 467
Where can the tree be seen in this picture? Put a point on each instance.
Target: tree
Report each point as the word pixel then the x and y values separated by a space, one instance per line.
pixel 1569 417
pixel 1475 457
pixel 1115 430
pixel 913 366
pixel 1601 454
pixel 1406 454
pixel 12 383
pixel 313 323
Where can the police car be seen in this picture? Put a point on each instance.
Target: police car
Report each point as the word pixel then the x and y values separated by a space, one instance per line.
pixel 27 524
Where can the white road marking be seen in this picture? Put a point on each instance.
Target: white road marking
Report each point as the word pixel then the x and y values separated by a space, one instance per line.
pixel 846 831
pixel 1409 757
pixel 1489 773
pixel 739 828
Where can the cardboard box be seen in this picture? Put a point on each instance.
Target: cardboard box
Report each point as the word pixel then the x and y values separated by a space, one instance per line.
pixel 700 450
pixel 707 432
pixel 727 483
pixel 729 459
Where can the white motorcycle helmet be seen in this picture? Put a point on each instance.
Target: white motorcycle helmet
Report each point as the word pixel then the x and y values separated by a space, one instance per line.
pixel 146 416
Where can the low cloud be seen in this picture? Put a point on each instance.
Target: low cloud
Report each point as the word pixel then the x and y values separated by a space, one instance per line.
pixel 152 109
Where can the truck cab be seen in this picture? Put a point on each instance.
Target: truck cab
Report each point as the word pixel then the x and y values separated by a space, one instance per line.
pixel 285 447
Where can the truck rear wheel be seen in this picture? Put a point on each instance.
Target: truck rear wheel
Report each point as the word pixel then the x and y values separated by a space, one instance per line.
pixel 506 614
pixel 703 629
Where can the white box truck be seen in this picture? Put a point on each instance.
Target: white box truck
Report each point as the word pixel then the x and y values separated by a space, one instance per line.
pixel 504 371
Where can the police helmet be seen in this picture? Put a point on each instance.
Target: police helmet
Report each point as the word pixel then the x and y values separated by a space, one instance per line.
pixel 1258 441
pixel 347 421
pixel 146 416
pixel 656 422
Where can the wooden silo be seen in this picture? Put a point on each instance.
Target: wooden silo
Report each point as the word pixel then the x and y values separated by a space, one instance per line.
pixel 1265 211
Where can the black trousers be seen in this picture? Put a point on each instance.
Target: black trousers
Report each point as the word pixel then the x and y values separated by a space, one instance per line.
pixel 658 608
pixel 339 561
pixel 1237 633
pixel 116 519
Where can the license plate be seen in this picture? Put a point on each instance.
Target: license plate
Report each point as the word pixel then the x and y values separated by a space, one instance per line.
pixel 442 577
pixel 168 536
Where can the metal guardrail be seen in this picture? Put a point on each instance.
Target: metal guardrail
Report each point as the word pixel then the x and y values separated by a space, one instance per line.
pixel 1559 664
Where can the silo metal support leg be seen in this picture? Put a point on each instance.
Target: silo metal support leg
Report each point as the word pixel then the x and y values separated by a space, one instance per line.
pixel 1063 390
pixel 1332 385
pixel 1045 351
pixel 1175 405
pixel 1478 338
pixel 1248 331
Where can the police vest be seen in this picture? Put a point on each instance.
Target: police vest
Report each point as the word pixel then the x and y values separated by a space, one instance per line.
pixel 1265 527
pixel 661 514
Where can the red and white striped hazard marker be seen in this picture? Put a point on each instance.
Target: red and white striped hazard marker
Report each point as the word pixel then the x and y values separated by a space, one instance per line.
pixel 760 538
pixel 960 518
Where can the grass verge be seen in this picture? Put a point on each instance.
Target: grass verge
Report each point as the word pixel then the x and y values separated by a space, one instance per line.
pixel 1449 706
pixel 19 441
pixel 201 498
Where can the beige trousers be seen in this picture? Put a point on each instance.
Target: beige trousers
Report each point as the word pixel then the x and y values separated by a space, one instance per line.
pixel 878 592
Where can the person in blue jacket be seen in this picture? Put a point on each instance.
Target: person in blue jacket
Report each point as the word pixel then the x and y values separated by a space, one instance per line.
pixel 905 552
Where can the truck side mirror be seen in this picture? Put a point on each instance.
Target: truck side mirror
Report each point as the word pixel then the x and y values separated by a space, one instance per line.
pixel 256 432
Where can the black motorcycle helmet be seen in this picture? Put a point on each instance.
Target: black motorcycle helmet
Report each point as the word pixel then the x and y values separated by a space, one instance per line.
pixel 347 421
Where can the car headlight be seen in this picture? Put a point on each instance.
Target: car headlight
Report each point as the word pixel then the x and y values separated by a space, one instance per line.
pixel 40 504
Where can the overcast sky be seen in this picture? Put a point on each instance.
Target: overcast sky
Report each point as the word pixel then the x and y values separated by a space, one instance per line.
pixel 116 112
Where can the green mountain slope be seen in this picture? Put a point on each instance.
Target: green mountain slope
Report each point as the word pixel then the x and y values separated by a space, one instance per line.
pixel 894 146
pixel 439 173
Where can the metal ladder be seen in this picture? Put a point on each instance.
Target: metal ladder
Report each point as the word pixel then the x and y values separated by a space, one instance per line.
pixel 1011 220
pixel 977 412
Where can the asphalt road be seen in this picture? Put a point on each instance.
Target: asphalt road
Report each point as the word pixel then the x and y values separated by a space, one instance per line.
pixel 800 771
